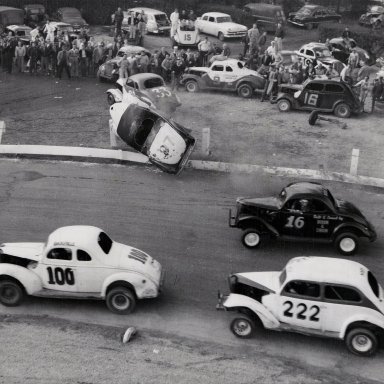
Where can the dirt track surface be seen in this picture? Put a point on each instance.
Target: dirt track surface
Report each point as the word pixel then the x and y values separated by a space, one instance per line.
pixel 56 351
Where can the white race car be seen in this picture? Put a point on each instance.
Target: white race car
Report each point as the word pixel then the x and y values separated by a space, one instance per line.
pixel 78 262
pixel 317 296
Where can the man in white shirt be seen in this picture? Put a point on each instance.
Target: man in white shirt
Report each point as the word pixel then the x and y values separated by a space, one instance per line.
pixel 174 21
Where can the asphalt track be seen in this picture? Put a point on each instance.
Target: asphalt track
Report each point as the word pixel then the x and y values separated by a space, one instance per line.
pixel 182 222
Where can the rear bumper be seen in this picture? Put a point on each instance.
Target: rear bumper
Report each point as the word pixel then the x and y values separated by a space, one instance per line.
pixel 231 219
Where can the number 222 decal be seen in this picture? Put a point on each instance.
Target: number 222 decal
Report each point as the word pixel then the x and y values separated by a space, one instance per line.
pixel 301 308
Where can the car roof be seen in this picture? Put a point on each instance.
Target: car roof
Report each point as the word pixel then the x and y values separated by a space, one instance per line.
pixel 3 8
pixel 305 188
pixel 78 235
pixel 68 9
pixel 216 14
pixel 327 269
pixel 148 11
pixel 19 27
pixel 258 6
pixel 314 45
pixel 60 24
pixel 34 6
pixel 141 77
pixel 133 48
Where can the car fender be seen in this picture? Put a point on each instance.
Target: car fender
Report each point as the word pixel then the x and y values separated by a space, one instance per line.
pixel 368 318
pixel 131 277
pixel 353 226
pixel 116 93
pixel 288 97
pixel 258 220
pixel 27 278
pixel 188 76
pixel 235 300
pixel 258 83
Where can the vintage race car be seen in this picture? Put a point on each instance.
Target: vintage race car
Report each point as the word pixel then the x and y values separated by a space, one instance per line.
pixel 325 95
pixel 78 262
pixel 146 85
pixel 186 37
pixel 220 25
pixel 341 51
pixel 313 296
pixel 167 144
pixel 312 15
pixel 374 18
pixel 110 69
pixel 224 75
pixel 302 211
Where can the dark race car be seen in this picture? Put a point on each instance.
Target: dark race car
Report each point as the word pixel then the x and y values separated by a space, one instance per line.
pixel 303 210
pixel 312 15
pixel 167 144
pixel 341 51
pixel 325 95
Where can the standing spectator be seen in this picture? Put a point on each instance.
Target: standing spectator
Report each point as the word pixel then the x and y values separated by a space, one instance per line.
pixel 184 15
pixel 33 54
pixel 35 33
pixel 89 48
pixel 49 30
pixel 364 89
pixel 346 75
pixel 20 53
pixel 178 68
pixel 346 35
pixel 279 36
pixel 132 22
pixel 133 67
pixel 162 55
pixel 142 27
pixel 353 59
pixel 98 56
pixel 8 56
pixel 174 18
pixel 262 41
pixel 245 43
pixel 44 58
pixel 320 70
pixel 190 59
pixel 73 59
pixel 155 65
pixel 53 52
pixel 83 59
pixel 272 49
pixel 191 20
pixel 266 60
pixel 166 66
pixel 143 62
pixel 204 48
pixel 378 89
pixel 119 17
pixel 310 71
pixel 332 72
pixel 123 68
pixel 62 62
pixel 254 36
pixel 272 82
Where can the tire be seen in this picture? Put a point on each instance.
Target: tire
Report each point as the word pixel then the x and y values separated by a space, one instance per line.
pixel 11 293
pixel 284 105
pixel 245 91
pixel 313 117
pixel 309 26
pixel 307 61
pixel 220 36
pixel 347 243
pixel 242 327
pixel 342 110
pixel 362 342
pixel 251 238
pixel 111 99
pixel 191 86
pixel 121 300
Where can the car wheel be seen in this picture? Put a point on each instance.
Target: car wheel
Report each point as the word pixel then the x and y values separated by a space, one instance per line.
pixel 11 293
pixel 111 99
pixel 347 243
pixel 242 327
pixel 121 300
pixel 245 91
pixel 191 86
pixel 342 110
pixel 220 36
pixel 362 342
pixel 309 26
pixel 251 238
pixel 284 105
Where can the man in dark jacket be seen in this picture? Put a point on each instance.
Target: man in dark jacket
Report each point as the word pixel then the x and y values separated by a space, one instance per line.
pixel 33 54
pixel 62 62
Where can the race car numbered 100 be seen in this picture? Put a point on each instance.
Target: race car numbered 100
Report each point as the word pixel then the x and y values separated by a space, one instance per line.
pixel 167 144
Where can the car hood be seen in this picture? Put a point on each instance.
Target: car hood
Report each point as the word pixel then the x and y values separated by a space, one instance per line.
pixel 266 281
pixel 262 202
pixel 201 69
pixel 30 251
pixel 233 26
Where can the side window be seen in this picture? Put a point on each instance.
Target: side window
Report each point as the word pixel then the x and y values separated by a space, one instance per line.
pixel 211 19
pixel 130 83
pixel 60 254
pixel 339 293
pixel 318 206
pixel 228 69
pixel 293 204
pixel 302 50
pixel 205 18
pixel 308 52
pixel 334 88
pixel 302 288
pixel 82 255
pixel 218 68
pixel 317 87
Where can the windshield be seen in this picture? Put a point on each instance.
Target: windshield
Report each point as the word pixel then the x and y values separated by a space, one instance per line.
pixel 304 11
pixel 322 52
pixel 65 28
pixel 153 83
pixel 226 19
pixel 161 17
pixel 105 242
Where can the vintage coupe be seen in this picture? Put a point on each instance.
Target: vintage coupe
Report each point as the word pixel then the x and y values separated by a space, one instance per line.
pixel 341 51
pixel 225 75
pixel 166 143
pixel 313 296
pixel 325 95
pixel 302 211
pixel 312 15
pixel 78 262
pixel 220 25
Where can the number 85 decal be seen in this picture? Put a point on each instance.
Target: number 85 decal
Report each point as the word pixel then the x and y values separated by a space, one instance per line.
pixel 301 309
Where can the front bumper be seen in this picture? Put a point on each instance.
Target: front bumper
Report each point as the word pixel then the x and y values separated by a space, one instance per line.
pixel 229 35
pixel 231 219
pixel 298 23
pixel 221 301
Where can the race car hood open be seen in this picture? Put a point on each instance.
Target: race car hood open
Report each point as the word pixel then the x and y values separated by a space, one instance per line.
pixel 266 281
pixel 29 251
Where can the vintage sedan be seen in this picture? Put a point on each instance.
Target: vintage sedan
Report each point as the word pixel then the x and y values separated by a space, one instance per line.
pixel 35 15
pixel 374 18
pixel 78 262
pixel 73 17
pixel 325 95
pixel 302 211
pixel 220 25
pixel 167 144
pixel 110 69
pixel 147 85
pixel 312 15
pixel 313 296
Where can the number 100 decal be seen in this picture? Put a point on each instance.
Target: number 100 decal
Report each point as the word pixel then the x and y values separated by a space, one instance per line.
pixel 60 276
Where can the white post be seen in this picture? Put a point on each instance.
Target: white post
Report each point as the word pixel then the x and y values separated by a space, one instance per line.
pixel 112 136
pixel 206 135
pixel 2 129
pixel 354 161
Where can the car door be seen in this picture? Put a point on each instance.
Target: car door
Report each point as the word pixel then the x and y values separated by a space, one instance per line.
pixel 301 307
pixel 332 93
pixel 229 76
pixel 294 222
pixel 211 26
pixel 215 78
pixel 311 96
pixel 324 219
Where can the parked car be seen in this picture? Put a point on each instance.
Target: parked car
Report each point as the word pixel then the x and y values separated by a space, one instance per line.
pixel 73 17
pixel 302 211
pixel 21 32
pixel 110 69
pixel 10 16
pixel 35 15
pixel 157 21
pixel 220 25
pixel 149 86
pixel 61 27
pixel 311 16
pixel 189 38
pixel 325 95
pixel 341 51
pixel 374 18
pixel 267 16
pixel 78 262
pixel 226 75
pixel 311 295
pixel 167 144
